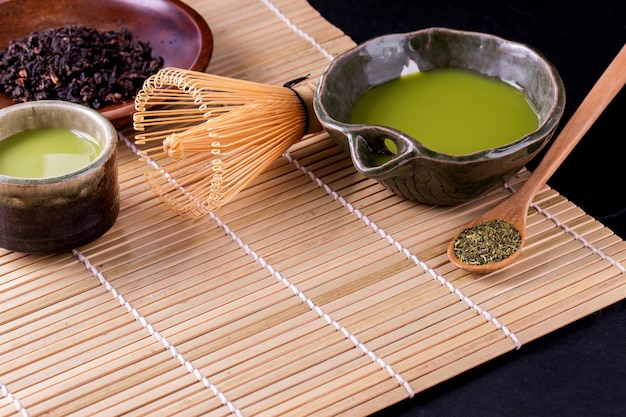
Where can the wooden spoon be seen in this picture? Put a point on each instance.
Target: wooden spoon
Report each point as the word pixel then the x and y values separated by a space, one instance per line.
pixel 514 210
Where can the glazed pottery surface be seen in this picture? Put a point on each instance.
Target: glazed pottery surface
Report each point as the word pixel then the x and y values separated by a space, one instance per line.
pixel 54 214
pixel 417 172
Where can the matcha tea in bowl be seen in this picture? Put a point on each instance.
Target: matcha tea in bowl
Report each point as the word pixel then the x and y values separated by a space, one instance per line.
pixel 440 116
pixel 58 176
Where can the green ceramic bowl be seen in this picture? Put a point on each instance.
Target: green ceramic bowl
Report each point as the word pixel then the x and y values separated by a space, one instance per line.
pixel 417 172
pixel 54 214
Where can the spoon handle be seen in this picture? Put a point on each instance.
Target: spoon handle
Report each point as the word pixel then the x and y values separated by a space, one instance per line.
pixel 605 89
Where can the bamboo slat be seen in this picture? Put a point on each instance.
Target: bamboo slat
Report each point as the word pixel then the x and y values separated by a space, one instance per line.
pixel 314 292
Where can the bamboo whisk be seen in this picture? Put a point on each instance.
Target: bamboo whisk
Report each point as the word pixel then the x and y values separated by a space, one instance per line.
pixel 212 135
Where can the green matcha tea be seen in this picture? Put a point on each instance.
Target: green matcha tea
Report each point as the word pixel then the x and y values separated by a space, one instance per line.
pixel 449 111
pixel 46 152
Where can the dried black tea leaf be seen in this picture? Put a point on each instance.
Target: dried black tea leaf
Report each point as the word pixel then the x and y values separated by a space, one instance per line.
pixel 78 64
pixel 487 242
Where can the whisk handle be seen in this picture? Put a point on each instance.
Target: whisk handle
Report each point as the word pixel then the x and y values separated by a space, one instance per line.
pixel 306 91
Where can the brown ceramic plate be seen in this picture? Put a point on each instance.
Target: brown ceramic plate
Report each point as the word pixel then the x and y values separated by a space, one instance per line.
pixel 174 30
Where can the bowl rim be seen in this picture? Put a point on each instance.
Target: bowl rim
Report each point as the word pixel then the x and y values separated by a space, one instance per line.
pixel 108 151
pixel 548 125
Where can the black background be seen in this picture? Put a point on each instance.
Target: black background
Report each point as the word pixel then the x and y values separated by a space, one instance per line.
pixel 579 370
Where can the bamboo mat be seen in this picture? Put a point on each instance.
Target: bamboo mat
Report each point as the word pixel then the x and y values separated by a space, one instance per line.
pixel 315 292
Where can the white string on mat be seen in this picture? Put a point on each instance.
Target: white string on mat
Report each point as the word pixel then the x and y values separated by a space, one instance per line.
pixel 296 291
pixel 569 230
pixel 142 320
pixel 393 242
pixel 153 332
pixel 297 30
pixel 367 221
pixel 13 400
pixel 246 248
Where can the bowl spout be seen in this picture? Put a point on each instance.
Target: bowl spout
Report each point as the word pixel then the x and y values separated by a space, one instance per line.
pixel 376 150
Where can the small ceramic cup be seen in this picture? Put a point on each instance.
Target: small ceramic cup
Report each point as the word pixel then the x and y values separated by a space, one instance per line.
pixel 417 172
pixel 55 214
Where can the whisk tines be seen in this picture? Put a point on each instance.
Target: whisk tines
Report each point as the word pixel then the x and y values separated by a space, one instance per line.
pixel 210 136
